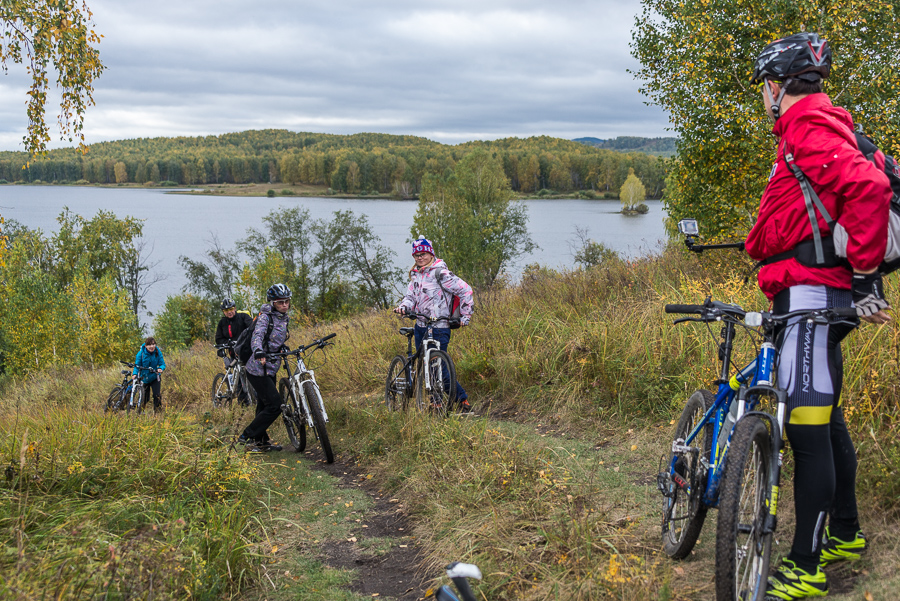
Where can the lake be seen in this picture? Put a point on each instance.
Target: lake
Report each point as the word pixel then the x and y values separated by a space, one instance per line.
pixel 176 225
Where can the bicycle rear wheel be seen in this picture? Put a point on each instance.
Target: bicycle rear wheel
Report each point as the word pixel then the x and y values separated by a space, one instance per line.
pixel 742 544
pixel 221 391
pixel 294 423
pixel 114 401
pixel 684 481
pixel 441 375
pixel 316 405
pixel 397 387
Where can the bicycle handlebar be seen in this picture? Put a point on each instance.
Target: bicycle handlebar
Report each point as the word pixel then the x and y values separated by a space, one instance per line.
pixel 321 343
pixel 715 310
pixel 224 345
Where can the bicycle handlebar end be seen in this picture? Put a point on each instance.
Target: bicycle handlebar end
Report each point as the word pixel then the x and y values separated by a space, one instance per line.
pixel 685 309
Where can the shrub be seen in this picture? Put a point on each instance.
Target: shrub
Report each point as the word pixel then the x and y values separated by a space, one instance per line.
pixel 3 181
pixel 37 182
pixel 82 182
pixel 270 193
pixel 287 192
pixel 168 183
pixel 544 192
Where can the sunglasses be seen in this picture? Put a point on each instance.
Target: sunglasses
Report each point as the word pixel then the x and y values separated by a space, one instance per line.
pixel 282 302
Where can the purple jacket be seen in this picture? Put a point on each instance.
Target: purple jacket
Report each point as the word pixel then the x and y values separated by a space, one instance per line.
pixel 277 339
pixel 424 294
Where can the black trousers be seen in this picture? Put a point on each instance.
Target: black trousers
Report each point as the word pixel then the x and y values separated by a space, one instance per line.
pixel 268 408
pixel 156 387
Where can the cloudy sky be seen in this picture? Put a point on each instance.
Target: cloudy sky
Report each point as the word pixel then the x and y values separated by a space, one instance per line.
pixel 450 71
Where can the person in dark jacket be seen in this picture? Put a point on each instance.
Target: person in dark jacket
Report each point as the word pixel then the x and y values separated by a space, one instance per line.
pixel 230 327
pixel 269 336
pixel 819 138
pixel 150 358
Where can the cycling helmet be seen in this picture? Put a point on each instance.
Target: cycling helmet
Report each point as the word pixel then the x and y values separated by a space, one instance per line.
pixel 227 304
pixel 278 291
pixel 803 56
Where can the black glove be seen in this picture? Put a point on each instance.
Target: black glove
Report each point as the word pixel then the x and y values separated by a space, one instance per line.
pixel 259 354
pixel 221 352
pixel 868 294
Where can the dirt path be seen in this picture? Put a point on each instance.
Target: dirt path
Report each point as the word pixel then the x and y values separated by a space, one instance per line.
pixel 395 573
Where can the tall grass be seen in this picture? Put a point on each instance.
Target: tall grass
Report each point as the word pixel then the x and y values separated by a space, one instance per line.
pixel 593 348
pixel 109 505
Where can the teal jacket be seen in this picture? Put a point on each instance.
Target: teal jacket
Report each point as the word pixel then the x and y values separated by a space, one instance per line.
pixel 153 360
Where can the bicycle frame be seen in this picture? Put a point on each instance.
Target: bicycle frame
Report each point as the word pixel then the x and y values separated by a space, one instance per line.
pixel 423 353
pixel 296 379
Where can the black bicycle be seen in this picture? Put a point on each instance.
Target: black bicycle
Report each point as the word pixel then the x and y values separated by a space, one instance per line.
pixel 428 371
pixel 122 393
pixel 232 384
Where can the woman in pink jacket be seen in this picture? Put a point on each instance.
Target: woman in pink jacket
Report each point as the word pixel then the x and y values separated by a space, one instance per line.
pixel 431 288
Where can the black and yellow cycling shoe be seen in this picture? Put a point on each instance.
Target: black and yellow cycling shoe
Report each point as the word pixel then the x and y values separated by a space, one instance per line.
pixel 791 582
pixel 835 549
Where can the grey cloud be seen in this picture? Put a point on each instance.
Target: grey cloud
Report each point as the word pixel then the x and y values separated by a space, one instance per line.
pixel 445 70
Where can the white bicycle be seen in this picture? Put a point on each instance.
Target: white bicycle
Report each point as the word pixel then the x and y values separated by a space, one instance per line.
pixel 302 403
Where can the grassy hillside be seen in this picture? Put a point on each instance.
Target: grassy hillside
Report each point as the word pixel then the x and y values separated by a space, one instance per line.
pixel 577 378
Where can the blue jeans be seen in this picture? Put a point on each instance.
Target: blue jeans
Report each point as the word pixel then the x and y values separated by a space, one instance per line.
pixel 442 336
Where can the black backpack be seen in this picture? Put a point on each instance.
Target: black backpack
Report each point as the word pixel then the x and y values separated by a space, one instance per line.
pixel 242 344
pixel 831 251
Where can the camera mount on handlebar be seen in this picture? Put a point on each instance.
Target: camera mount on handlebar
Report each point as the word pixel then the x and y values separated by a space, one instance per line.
pixel 691 232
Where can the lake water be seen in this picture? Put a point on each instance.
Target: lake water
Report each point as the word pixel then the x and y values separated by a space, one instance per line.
pixel 176 225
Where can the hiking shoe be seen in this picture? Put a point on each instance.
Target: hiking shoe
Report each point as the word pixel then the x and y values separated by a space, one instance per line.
pixel 244 440
pixel 835 549
pixel 791 582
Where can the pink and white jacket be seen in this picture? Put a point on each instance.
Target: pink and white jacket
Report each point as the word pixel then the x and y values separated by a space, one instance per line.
pixel 424 294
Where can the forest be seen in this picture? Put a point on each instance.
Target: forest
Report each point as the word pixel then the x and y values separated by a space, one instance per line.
pixel 364 163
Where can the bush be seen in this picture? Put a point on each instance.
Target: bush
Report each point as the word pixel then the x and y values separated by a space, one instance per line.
pixel 544 192
pixel 37 182
pixel 3 181
pixel 82 182
pixel 270 193
pixel 287 192
pixel 168 183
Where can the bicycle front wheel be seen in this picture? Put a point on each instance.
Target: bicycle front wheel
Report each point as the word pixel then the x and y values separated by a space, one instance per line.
pixel 397 387
pixel 743 544
pixel 294 422
pixel 436 390
pixel 684 481
pixel 316 407
pixel 136 401
pixel 221 393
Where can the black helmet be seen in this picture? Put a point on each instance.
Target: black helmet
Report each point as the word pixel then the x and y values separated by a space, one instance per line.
pixel 278 291
pixel 803 56
pixel 227 304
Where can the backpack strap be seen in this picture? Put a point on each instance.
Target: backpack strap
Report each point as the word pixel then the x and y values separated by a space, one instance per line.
pixel 439 277
pixel 813 202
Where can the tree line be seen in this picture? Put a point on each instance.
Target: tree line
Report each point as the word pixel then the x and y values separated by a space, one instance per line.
pixel 359 163
pixel 72 298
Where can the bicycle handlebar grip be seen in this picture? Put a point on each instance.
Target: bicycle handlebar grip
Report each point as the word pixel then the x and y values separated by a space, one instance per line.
pixel 329 337
pixel 686 309
pixel 845 311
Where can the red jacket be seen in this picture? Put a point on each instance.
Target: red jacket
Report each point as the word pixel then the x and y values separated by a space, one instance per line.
pixel 855 191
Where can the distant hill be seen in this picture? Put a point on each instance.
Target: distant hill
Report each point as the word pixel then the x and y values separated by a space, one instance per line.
pixel 664 147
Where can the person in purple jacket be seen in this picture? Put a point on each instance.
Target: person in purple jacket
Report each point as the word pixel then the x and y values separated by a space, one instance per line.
pixel 430 289
pixel 269 336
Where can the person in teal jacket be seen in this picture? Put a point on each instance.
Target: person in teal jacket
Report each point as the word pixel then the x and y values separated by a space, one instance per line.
pixel 148 366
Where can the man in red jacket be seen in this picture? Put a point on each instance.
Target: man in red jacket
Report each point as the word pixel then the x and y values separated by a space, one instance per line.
pixel 819 138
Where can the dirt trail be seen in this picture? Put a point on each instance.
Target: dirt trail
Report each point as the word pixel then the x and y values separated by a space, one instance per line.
pixel 394 574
